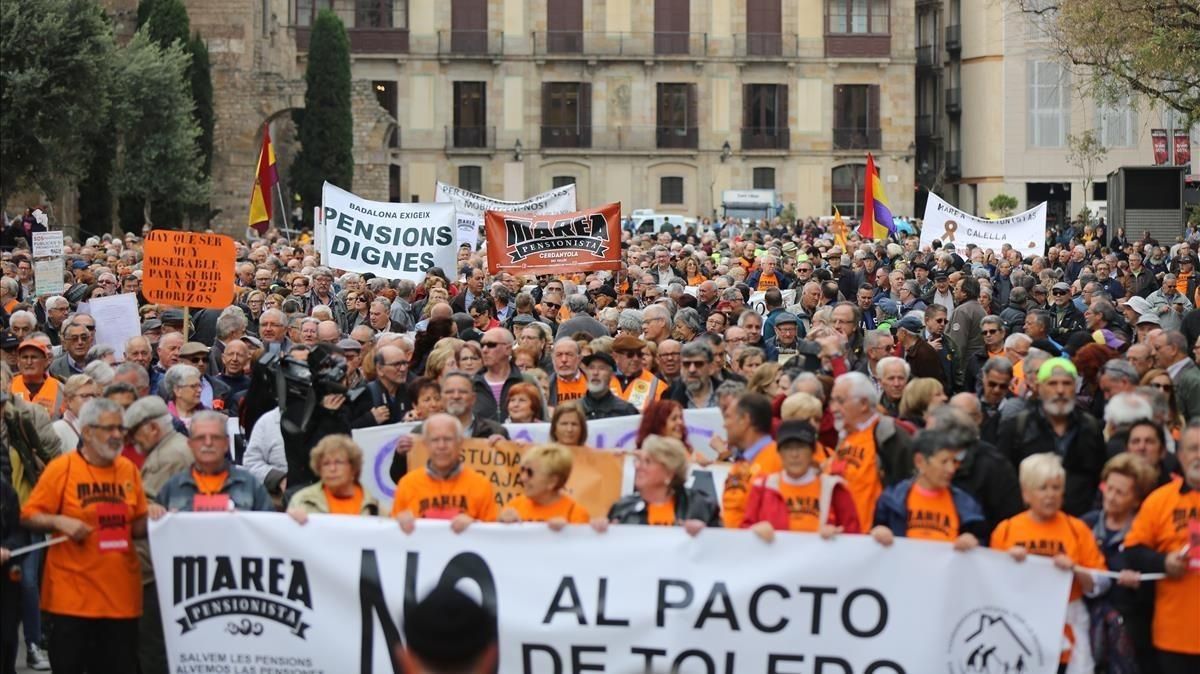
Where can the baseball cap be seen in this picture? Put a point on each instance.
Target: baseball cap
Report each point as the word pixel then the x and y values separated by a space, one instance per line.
pixel 888 306
pixel 911 324
pixel 940 276
pixel 599 355
pixel 34 344
pixel 8 340
pixel 1047 369
pixel 1108 338
pixel 795 430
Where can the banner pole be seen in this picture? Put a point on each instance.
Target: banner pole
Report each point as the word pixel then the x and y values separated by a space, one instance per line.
pixel 283 212
pixel 186 312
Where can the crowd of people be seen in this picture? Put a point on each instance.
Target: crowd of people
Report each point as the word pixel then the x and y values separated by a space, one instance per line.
pixel 1045 405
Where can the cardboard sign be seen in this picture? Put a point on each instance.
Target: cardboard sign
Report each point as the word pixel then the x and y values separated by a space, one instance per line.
pixel 48 277
pixel 47 244
pixel 554 244
pixel 595 481
pixel 189 269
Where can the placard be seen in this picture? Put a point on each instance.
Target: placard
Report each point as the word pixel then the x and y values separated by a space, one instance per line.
pixel 48 277
pixel 554 244
pixel 48 244
pixel 117 320
pixel 470 207
pixel 189 269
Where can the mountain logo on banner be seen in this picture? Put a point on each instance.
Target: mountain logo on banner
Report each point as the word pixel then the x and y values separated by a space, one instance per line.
pixel 994 641
pixel 250 588
pixel 588 233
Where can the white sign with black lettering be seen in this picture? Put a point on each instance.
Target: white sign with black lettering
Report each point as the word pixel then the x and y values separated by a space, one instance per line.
pixel 48 244
pixel 469 207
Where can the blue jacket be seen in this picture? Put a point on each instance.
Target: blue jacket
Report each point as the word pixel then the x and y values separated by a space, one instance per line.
pixel 892 510
pixel 244 490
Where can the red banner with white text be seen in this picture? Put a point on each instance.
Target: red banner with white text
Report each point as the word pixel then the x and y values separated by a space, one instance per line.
pixel 524 243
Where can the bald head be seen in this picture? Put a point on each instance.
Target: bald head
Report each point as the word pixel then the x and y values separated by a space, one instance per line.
pixel 969 404
pixel 328 332
pixel 441 310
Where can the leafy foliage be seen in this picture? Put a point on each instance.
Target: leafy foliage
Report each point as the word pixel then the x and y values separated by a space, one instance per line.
pixel 164 20
pixel 1003 204
pixel 326 128
pixel 1085 152
pixel 202 94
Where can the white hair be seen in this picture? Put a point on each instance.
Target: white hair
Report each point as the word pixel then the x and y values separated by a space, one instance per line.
pixel 1126 408
pixel 861 387
pixel 1038 469
pixel 889 361
pixel 1017 340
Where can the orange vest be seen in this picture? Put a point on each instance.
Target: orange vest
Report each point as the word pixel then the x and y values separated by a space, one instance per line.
pixel 49 396
pixel 641 390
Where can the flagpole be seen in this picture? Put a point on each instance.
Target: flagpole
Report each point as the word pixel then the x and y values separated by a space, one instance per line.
pixel 283 212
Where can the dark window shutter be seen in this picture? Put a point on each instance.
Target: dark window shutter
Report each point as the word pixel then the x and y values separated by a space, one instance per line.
pixel 781 105
pixel 693 117
pixel 839 106
pixel 748 120
pixel 585 114
pixel 873 106
pixel 660 116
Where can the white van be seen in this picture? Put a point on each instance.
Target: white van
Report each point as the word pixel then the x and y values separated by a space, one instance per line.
pixel 646 221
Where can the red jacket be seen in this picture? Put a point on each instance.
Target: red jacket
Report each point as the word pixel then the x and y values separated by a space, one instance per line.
pixel 765 504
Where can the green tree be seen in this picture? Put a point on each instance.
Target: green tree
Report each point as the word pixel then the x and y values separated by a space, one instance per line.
pixel 54 89
pixel 165 20
pixel 157 158
pixel 326 127
pixel 1003 205
pixel 200 71
pixel 1147 47
pixel 1085 152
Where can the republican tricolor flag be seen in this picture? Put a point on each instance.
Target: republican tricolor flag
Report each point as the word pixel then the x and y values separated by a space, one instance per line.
pixel 877 215
pixel 265 178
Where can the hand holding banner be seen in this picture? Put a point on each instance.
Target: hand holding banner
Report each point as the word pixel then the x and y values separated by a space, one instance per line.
pixel 554 244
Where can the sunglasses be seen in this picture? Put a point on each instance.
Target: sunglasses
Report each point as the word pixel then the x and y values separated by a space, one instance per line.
pixel 990 332
pixel 489 345
pixel 1059 292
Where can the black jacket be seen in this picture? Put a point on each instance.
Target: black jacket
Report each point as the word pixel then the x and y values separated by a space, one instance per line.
pixel 1029 432
pixel 486 405
pixel 690 504
pixel 606 405
pixel 991 479
pixel 371 395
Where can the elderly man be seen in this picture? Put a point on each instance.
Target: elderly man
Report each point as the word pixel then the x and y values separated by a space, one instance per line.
pixel 1169 304
pixel 443 488
pixel 385 400
pixel 498 375
pixel 1158 542
pixel 57 309
pixel 922 359
pixel 156 447
pixel 33 384
pixel 78 337
pixel 891 375
pixel 94 497
pixel 872 450
pixel 995 384
pixel 1067 318
pixel 22 324
pixel 785 344
pixel 1170 349
pixel 581 319
pixel 600 402
pixel 877 344
pixel 1141 358
pixel 535 336
pixel 213 483
pixel 697 388
pixel 138 350
pixel 567 383
pixel 634 384
pixel 656 323
pixel 1057 425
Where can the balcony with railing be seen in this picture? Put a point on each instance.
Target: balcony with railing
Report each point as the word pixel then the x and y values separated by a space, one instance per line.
pixel 470 138
pixel 857 138
pixel 954 100
pixel 599 44
pixel 473 43
pixel 766 138
pixel 363 40
pixel 676 137
pixel 566 137
pixel 924 126
pixel 953 164
pixel 927 57
pixel 954 38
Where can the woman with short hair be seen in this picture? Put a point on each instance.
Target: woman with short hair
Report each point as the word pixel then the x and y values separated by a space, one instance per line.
pixel 183 384
pixel 337 461
pixel 79 389
pixel 920 396
pixel 524 404
pixel 568 425
pixel 660 497
pixel 545 470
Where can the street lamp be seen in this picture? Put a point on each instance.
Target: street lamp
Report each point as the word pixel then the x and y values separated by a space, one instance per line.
pixel 726 152
pixel 517 154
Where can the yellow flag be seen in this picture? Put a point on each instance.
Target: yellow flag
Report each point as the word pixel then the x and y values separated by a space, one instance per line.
pixel 839 230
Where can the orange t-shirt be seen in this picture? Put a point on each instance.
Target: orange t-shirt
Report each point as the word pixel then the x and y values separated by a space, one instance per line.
pixel 855 459
pixel 696 280
pixel 1062 534
pixel 766 281
pixel 803 503
pixel 1162 525
pixel 565 507
pixel 737 483
pixel 345 506
pixel 931 515
pixel 210 484
pixel 570 390
pixel 100 577
pixel 467 491
pixel 661 514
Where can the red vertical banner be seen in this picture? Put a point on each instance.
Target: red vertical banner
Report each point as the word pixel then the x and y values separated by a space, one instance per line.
pixel 1183 148
pixel 1159 138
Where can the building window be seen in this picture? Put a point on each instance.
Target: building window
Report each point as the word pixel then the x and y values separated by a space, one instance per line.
pixel 468 26
pixel 765 117
pixel 307 10
pixel 470 178
pixel 764 28
pixel 1049 116
pixel 470 110
pixel 671 25
pixel 764 178
pixel 376 13
pixel 677 123
pixel 561 181
pixel 566 114
pixel 394 183
pixel 856 117
pixel 564 26
pixel 858 17
pixel 847 187
pixel 1116 125
pixel 670 189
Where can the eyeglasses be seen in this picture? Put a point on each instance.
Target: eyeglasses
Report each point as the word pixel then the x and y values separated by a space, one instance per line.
pixel 108 428
pixel 693 364
pixel 397 363
pixel 198 358
pixel 192 385
pixel 1059 293
pixel 490 345
pixel 78 338
pixel 1164 387
pixel 991 332
pixel 551 305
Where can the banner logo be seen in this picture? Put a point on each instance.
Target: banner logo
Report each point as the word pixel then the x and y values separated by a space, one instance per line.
pixel 588 233
pixel 252 588
pixel 994 641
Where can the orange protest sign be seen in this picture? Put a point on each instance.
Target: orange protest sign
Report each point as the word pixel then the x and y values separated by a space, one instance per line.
pixel 595 481
pixel 554 244
pixel 188 269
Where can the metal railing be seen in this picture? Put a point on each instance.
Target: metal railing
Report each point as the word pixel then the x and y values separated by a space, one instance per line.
pixel 566 136
pixel 363 40
pixel 855 138
pixel 470 137
pixel 924 126
pixel 954 163
pixel 954 37
pixel 926 56
pixel 766 138
pixel 471 43
pixel 620 45
pixel 954 100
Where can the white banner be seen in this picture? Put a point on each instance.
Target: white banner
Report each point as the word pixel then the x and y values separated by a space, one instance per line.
pixel 256 592
pixel 48 277
pixel 1026 232
pixel 48 244
pixel 758 301
pixel 618 433
pixel 469 207
pixel 392 241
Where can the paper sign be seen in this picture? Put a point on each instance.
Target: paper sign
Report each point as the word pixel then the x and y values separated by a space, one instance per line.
pixel 554 244
pixel 48 244
pixel 116 321
pixel 48 277
pixel 470 207
pixel 189 269
pixel 211 503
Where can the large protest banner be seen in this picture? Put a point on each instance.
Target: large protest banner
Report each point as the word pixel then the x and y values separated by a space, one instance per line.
pixel 470 207
pixel 618 433
pixel 758 300
pixel 253 592
pixel 392 241
pixel 1026 232
pixel 554 244
pixel 189 269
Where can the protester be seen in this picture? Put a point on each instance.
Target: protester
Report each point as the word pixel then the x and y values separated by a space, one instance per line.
pixel 568 425
pixel 212 483
pixel 545 470
pixel 337 460
pixel 443 488
pixel 660 497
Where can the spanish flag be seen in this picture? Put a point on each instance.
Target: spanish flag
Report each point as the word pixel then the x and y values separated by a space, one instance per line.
pixel 839 230
pixel 877 216
pixel 265 178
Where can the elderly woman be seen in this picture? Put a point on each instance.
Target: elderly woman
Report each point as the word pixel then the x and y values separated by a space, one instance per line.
pixel 255 303
pixel 1159 379
pixel 524 404
pixel 660 498
pixel 920 396
pixel 748 360
pixel 1065 538
pixel 79 389
pixel 470 358
pixel 337 460
pixel 426 393
pixel 568 426
pixel 764 379
pixel 443 358
pixel 182 383
pixel 544 473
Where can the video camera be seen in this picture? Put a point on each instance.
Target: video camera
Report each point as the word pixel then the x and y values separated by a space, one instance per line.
pixel 297 386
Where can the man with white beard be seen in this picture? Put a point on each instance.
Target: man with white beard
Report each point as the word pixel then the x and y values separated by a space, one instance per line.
pixel 1054 424
pixel 599 401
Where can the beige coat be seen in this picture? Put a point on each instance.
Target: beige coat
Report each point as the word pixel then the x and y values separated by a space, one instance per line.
pixel 312 500
pixel 170 456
